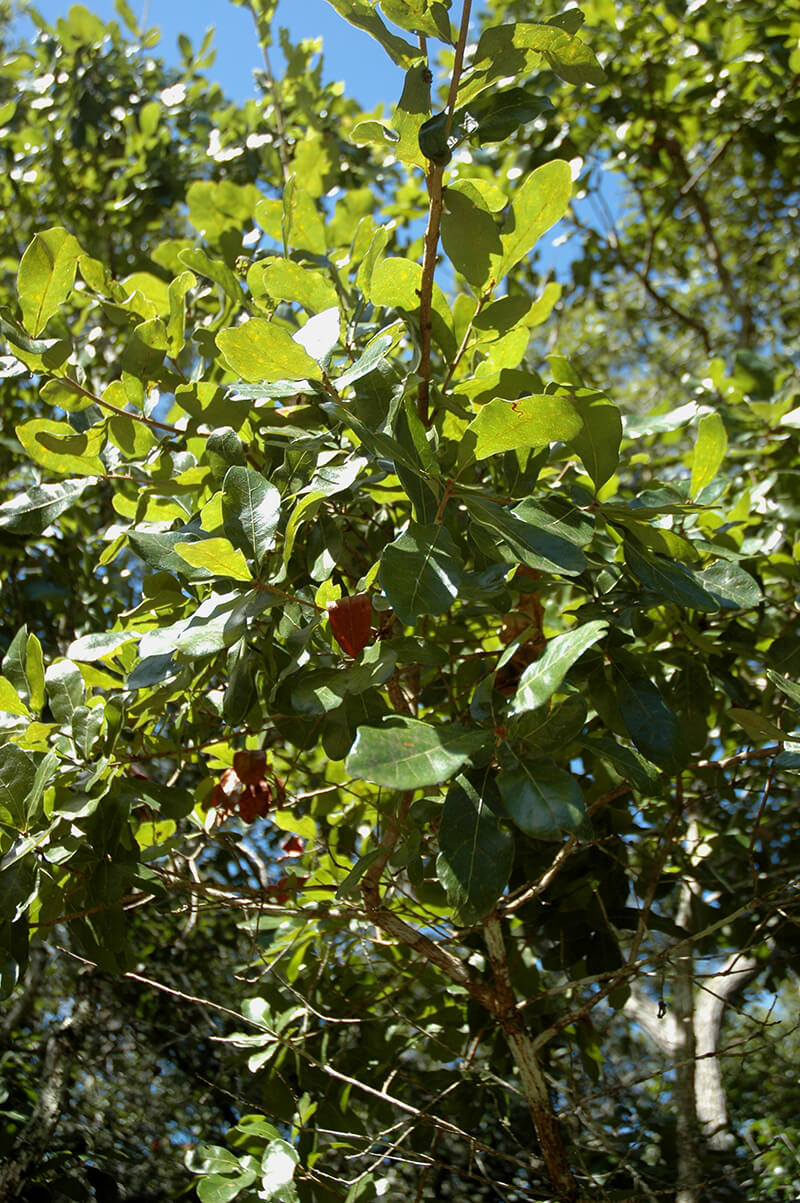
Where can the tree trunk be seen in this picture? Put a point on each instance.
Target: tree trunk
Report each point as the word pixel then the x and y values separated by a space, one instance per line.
pixel 32 1143
pixel 717 991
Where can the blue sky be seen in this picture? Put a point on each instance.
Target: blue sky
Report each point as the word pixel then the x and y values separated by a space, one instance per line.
pixel 350 54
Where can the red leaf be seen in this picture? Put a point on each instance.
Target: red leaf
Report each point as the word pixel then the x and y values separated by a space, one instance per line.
pixel 351 622
pixel 249 766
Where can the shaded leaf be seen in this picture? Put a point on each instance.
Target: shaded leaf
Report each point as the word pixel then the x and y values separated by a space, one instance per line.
pixel 476 853
pixel 542 799
pixel 420 572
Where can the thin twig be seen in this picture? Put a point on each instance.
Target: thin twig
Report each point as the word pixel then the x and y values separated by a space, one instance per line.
pixel 431 242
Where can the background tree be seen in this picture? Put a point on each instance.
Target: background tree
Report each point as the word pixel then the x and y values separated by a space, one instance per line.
pixel 448 715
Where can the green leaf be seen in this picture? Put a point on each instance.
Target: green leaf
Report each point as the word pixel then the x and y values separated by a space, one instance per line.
pixel 362 14
pixel 598 442
pixel 730 586
pixel 98 645
pixel 420 16
pixel 17 775
pixel 476 853
pixel 258 350
pixel 46 276
pixel 32 511
pixel 627 762
pixel 499 114
pixel 407 754
pixel 420 572
pixel 285 280
pixel 526 423
pixel 251 509
pixel 215 1189
pixel 709 452
pixel 65 689
pixel 547 732
pixel 212 269
pixel 58 447
pixel 218 556
pixel 157 548
pixel 409 116
pixel 542 799
pixel 34 672
pixel 396 282
pixel 545 544
pixel 470 235
pixel 758 727
pixel 541 679
pixel 651 724
pixel 670 580
pixel 278 1164
pixel 301 225
pixel 10 701
pixel 541 201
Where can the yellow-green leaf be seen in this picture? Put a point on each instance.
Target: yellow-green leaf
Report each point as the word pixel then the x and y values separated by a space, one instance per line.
pixel 541 201
pixel 218 556
pixel 709 452
pixel 259 350
pixel 529 422
pixel 46 275
pixel 59 448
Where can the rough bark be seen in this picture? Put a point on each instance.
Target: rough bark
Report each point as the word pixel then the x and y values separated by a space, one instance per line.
pixel 545 1121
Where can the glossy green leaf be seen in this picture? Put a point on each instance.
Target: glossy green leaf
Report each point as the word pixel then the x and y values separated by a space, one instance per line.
pixel 420 16
pixel 217 556
pixel 420 572
pixel 542 799
pixel 405 753
pixel 526 423
pixel 46 276
pixel 410 115
pixel 65 689
pixel 730 586
pixel 709 452
pixel 541 679
pixel 157 548
pixel 251 509
pixel 499 113
pixel 275 280
pixel 627 762
pixel 259 350
pixel 32 511
pixel 476 853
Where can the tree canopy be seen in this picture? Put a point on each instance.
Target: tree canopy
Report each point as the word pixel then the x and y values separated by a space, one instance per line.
pixel 400 655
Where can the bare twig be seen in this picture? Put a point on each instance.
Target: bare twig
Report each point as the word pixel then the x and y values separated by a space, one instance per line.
pixel 431 241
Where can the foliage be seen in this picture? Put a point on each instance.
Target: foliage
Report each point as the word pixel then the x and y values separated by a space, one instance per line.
pixel 435 711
